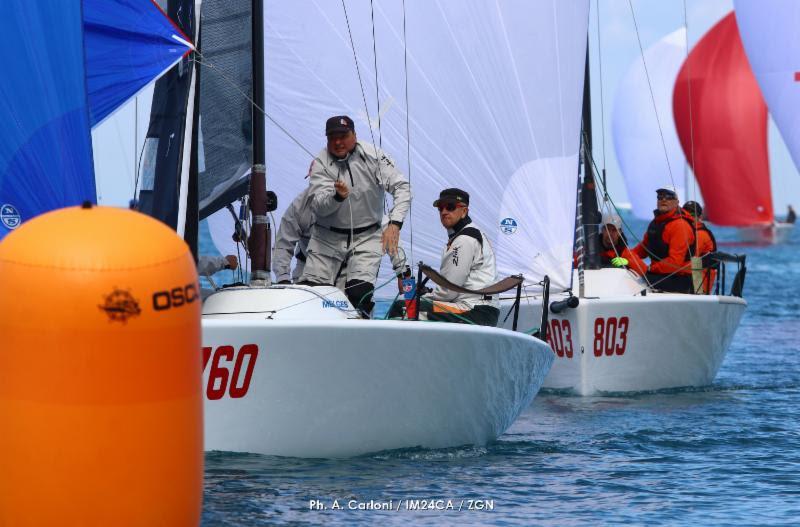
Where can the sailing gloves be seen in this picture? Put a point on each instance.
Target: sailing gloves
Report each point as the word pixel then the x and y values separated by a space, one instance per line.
pixel 619 261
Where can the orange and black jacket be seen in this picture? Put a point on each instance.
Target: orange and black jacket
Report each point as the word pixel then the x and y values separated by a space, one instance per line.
pixel 635 263
pixel 668 242
pixel 705 244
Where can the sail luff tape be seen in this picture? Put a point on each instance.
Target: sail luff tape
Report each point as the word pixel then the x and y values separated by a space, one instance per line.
pixel 260 219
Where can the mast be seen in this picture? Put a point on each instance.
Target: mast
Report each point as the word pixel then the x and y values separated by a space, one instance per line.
pixel 590 211
pixel 259 242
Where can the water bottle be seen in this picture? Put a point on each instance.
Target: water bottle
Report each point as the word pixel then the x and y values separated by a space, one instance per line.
pixel 409 292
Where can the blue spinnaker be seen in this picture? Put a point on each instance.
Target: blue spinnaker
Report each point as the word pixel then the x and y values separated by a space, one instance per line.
pixel 128 44
pixel 45 141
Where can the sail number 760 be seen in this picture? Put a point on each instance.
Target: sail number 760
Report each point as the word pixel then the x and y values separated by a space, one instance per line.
pixel 230 370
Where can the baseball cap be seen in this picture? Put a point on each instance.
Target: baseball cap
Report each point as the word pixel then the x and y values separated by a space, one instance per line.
pixel 455 195
pixel 339 124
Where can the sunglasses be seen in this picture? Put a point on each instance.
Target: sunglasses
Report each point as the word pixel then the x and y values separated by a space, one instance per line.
pixel 665 197
pixel 450 207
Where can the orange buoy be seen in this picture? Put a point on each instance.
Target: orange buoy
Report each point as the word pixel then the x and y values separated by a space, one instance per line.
pixel 100 372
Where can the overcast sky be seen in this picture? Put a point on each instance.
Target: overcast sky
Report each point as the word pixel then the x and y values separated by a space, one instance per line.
pixel 619 48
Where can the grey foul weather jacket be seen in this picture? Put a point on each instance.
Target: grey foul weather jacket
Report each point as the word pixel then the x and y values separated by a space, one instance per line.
pixel 368 172
pixel 468 261
pixel 293 236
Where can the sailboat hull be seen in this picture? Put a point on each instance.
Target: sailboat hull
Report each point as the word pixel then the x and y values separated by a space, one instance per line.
pixel 626 343
pixel 767 234
pixel 340 388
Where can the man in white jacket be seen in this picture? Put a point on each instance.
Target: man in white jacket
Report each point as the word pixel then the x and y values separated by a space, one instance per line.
pixel 467 261
pixel 348 183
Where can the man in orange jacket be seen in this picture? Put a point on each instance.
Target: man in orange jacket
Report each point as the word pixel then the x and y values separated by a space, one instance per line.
pixel 704 242
pixel 615 247
pixel 668 242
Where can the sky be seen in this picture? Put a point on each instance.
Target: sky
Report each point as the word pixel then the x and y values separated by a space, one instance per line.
pixel 619 48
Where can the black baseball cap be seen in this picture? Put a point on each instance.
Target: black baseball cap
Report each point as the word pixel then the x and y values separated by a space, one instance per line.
pixel 339 124
pixel 453 195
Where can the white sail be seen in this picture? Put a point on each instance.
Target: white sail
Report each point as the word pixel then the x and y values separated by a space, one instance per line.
pixel 494 99
pixel 769 34
pixel 637 135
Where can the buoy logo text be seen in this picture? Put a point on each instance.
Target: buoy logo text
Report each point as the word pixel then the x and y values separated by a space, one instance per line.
pixel 230 370
pixel 175 297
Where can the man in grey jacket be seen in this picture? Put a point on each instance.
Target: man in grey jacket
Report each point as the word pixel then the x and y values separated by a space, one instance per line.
pixel 292 239
pixel 348 183
pixel 467 261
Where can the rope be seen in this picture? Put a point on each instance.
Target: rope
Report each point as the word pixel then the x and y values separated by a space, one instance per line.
pixel 652 97
pixel 408 129
pixel 602 111
pixel 689 86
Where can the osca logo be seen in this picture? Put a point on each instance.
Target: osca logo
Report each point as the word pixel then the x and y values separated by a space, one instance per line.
pixel 175 297
pixel 508 225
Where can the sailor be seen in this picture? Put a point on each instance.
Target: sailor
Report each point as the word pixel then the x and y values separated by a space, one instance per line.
pixel 668 243
pixel 348 183
pixel 791 215
pixel 705 243
pixel 467 261
pixel 208 265
pixel 616 252
pixel 292 239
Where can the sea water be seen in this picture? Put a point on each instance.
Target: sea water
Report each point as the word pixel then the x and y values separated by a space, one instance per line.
pixel 724 454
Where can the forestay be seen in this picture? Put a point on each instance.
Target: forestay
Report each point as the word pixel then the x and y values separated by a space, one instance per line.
pixel 646 161
pixel 769 34
pixel 494 101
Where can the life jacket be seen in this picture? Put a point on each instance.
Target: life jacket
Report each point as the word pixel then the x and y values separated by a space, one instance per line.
pixel 656 246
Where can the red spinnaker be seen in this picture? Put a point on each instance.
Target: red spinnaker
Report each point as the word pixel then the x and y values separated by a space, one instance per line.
pixel 726 144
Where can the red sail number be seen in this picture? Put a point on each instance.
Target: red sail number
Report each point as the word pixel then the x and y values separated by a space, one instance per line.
pixel 560 337
pixel 221 378
pixel 610 336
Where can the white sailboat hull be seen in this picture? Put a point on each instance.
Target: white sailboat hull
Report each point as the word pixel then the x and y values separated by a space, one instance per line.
pixel 767 234
pixel 340 388
pixel 625 343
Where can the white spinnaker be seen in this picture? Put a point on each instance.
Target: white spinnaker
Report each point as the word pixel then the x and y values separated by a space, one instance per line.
pixel 494 98
pixel 769 34
pixel 637 136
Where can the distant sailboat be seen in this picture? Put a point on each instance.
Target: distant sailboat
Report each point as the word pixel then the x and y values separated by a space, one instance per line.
pixel 646 162
pixel 721 120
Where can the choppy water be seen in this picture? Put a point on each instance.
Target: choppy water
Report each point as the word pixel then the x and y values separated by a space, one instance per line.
pixel 725 454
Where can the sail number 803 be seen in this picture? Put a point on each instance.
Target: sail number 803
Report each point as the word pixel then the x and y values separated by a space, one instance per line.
pixel 610 336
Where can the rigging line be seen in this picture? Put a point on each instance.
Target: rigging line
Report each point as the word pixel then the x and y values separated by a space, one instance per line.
pixel 375 61
pixel 602 111
pixel 408 131
pixel 652 97
pixel 248 98
pixel 358 71
pixel 689 86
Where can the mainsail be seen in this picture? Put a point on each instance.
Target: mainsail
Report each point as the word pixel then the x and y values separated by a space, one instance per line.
pixel 493 106
pixel 646 143
pixel 723 129
pixel 769 35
